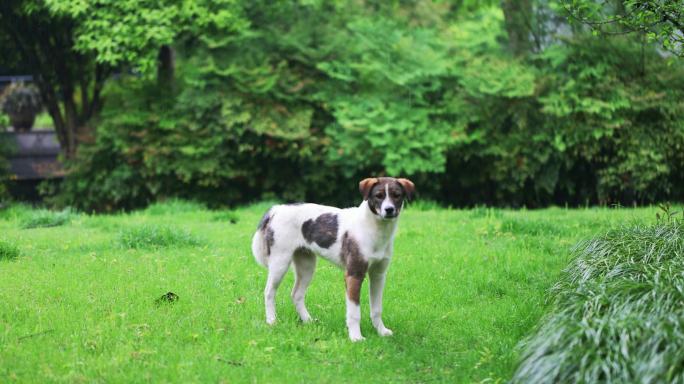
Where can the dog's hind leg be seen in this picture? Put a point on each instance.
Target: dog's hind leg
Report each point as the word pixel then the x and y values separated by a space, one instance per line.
pixel 277 267
pixel 304 265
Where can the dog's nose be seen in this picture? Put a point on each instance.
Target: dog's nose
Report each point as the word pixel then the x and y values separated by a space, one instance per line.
pixel 389 210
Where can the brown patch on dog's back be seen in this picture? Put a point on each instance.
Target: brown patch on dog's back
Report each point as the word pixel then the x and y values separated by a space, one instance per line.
pixel 355 267
pixel 269 236
pixel 267 231
pixel 322 231
pixel 265 219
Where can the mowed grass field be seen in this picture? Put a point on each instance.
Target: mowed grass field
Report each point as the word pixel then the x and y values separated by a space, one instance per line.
pixel 79 303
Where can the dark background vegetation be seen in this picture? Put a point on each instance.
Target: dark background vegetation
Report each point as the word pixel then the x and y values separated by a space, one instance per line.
pixel 513 103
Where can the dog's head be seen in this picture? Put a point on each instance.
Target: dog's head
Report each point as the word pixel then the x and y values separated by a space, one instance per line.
pixel 386 195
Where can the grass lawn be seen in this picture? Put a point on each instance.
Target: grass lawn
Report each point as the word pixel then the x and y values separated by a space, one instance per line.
pixel 79 302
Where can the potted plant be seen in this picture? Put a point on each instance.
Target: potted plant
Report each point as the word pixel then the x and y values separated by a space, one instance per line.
pixel 21 103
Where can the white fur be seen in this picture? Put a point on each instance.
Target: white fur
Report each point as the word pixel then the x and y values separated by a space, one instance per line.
pixel 386 203
pixel 373 234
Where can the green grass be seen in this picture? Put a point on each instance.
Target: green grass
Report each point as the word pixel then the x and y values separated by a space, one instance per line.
pixel 618 313
pixel 8 251
pixel 151 236
pixel 464 288
pixel 44 218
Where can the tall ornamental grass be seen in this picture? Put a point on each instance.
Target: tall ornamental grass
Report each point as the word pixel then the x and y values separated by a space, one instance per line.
pixel 618 312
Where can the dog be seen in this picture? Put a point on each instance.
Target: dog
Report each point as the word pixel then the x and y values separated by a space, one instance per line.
pixel 359 240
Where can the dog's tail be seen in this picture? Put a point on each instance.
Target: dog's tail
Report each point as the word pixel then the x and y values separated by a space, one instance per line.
pixel 259 248
pixel 263 239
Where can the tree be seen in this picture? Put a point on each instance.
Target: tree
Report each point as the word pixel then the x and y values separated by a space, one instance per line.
pixel 42 44
pixel 517 15
pixel 659 19
pixel 72 46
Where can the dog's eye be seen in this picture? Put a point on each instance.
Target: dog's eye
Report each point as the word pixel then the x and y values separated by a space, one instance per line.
pixel 378 195
pixel 396 195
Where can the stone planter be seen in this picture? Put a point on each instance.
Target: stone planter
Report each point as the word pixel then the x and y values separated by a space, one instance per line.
pixel 21 103
pixel 22 122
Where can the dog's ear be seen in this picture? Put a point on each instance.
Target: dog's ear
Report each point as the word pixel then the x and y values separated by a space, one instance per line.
pixel 409 187
pixel 365 186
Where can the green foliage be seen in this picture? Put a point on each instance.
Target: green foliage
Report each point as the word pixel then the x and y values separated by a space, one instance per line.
pixel 622 115
pixel 8 250
pixel 130 32
pixel 71 47
pixel 153 236
pixel 617 312
pixel 43 121
pixel 44 219
pixel 657 19
pixel 195 144
pixel 379 96
pixel 289 109
pixel 4 121
pixel 578 130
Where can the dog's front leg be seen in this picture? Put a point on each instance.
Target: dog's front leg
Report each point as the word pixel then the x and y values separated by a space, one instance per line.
pixel 353 283
pixel 376 275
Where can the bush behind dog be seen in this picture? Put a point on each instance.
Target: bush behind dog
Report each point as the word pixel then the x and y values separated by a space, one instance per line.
pixel 585 121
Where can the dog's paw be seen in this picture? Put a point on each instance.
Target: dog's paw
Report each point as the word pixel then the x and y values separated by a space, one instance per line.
pixel 385 332
pixel 307 319
pixel 356 338
pixel 270 320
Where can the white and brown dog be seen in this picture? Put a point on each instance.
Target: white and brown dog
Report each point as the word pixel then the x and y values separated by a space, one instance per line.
pixel 359 240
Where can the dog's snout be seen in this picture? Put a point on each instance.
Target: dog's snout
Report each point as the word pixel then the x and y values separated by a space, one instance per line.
pixel 389 210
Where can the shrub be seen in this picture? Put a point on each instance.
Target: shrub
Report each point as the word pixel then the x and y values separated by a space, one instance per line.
pixel 44 219
pixel 151 236
pixel 190 146
pixel 8 251
pixel 600 122
pixel 271 113
pixel 617 312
